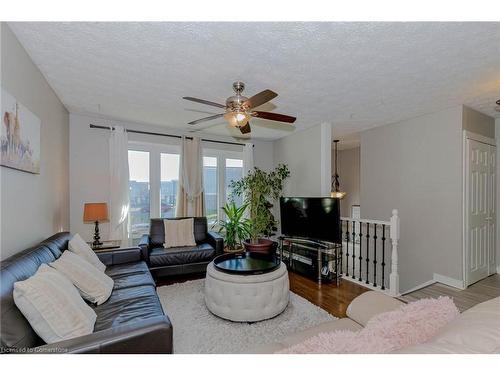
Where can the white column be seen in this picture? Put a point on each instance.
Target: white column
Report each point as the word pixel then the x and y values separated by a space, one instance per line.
pixel 326 159
pixel 394 234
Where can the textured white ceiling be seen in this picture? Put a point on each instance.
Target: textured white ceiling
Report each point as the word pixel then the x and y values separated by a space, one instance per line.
pixel 354 75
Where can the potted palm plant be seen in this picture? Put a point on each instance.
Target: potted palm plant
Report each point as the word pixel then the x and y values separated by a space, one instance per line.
pixel 259 188
pixel 235 227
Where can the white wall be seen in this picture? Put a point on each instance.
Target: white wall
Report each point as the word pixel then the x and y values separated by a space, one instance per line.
pixel 349 172
pixel 33 207
pixel 308 155
pixel 497 132
pixel 416 167
pixel 89 164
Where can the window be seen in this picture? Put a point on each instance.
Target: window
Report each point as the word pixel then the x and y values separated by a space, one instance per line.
pixel 210 177
pixel 234 172
pixel 138 162
pixel 154 178
pixel 219 169
pixel 169 183
pixel 154 181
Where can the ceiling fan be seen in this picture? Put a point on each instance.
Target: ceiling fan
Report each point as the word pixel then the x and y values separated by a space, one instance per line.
pixel 239 109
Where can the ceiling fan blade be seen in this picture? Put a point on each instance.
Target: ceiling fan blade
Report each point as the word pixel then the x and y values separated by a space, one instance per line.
pixel 245 129
pixel 206 119
pixel 203 101
pixel 260 98
pixel 274 116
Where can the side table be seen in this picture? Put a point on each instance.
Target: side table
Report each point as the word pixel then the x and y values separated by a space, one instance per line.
pixel 106 245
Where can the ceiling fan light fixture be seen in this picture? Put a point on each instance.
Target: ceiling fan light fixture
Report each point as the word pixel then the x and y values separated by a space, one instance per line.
pixel 237 118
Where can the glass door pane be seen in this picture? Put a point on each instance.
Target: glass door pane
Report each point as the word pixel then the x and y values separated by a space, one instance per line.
pixel 138 162
pixel 169 183
pixel 210 187
pixel 234 172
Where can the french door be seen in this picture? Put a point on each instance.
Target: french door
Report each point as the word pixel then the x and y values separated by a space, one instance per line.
pixel 480 210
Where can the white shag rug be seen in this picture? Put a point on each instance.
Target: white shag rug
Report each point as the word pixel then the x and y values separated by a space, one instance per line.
pixel 198 331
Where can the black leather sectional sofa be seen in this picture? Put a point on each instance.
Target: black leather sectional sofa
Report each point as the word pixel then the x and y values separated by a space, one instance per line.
pixel 130 321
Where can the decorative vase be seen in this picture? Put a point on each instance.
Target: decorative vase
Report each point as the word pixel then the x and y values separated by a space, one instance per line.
pixel 263 246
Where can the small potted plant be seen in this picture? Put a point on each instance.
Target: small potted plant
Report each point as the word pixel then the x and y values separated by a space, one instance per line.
pixel 235 228
pixel 259 188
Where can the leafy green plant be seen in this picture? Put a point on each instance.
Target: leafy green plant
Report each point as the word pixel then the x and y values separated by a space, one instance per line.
pixel 259 188
pixel 236 227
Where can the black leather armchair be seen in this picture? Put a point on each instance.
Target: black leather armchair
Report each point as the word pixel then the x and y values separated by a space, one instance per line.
pixel 180 260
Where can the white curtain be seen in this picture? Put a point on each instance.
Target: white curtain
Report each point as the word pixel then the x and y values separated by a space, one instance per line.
pixel 119 184
pixel 247 159
pixel 190 201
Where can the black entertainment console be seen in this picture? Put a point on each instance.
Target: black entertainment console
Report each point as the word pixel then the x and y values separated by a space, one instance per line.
pixel 316 259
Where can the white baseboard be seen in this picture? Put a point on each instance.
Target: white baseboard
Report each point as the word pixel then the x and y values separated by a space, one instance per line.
pixel 459 284
pixel 423 285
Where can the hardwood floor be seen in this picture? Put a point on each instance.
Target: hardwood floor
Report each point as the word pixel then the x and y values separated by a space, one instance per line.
pixel 464 299
pixel 329 297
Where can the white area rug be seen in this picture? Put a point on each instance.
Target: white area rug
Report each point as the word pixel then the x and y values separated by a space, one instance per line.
pixel 197 330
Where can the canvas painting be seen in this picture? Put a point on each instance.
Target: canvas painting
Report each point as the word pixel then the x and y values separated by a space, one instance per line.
pixel 20 136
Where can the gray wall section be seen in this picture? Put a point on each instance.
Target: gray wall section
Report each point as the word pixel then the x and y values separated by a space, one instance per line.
pixel 349 172
pixel 416 167
pixel 478 122
pixel 301 151
pixel 497 131
pixel 34 207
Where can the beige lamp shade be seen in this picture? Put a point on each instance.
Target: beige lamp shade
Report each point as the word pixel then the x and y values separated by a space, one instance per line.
pixel 95 212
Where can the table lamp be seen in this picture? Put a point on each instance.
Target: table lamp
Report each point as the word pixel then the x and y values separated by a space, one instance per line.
pixel 94 213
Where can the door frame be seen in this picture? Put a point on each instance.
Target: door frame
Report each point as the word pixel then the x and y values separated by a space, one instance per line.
pixel 489 141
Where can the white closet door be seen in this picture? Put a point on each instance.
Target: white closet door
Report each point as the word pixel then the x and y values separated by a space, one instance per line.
pixel 492 211
pixel 480 201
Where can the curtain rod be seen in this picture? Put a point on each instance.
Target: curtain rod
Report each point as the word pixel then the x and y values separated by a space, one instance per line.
pixel 165 135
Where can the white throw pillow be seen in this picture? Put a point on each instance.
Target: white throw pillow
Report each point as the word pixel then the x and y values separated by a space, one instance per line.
pixel 179 233
pixel 94 286
pixel 80 247
pixel 52 306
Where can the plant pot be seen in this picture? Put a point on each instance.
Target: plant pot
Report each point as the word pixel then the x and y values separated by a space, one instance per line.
pixel 264 246
pixel 234 251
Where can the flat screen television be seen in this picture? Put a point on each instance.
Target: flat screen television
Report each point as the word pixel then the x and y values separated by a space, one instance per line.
pixel 311 218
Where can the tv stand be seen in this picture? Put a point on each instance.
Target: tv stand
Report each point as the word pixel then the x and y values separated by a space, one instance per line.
pixel 316 259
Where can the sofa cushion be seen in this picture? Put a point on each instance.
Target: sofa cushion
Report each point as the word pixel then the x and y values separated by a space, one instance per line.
pixel 127 269
pixel 132 279
pixel 157 230
pixel 130 275
pixel 128 305
pixel 367 305
pixel 78 246
pixel 53 306
pixel 93 285
pixel 344 324
pixel 160 256
pixel 476 330
pixel 179 233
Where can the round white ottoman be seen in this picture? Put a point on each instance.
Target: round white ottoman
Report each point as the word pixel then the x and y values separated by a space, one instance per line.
pixel 246 298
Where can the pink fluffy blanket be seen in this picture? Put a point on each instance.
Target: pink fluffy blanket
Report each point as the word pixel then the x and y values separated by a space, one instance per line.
pixel 411 324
